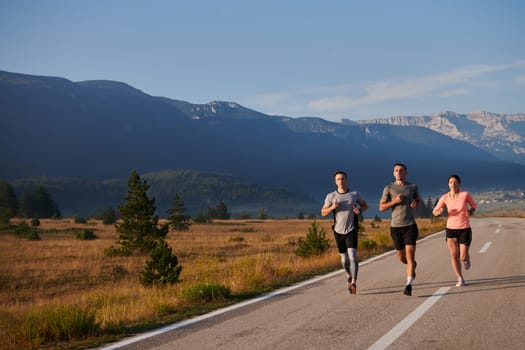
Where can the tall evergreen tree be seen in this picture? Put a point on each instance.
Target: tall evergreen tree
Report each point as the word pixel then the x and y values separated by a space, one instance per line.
pixel 109 217
pixel 139 228
pixel 221 211
pixel 177 219
pixel 38 204
pixel 8 200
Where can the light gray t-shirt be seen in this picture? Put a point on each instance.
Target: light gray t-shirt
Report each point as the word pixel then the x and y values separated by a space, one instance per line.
pixel 344 214
pixel 401 213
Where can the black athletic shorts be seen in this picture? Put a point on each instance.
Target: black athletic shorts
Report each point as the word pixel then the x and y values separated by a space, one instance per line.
pixel 464 235
pixel 406 235
pixel 346 241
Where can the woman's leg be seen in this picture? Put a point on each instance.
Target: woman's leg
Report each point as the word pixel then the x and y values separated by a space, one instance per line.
pixel 464 255
pixel 453 247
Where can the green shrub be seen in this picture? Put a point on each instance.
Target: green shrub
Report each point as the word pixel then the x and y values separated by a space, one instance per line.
pixel 61 323
pixel 382 239
pixel 205 292
pixel 114 251
pixel 80 220
pixel 86 234
pixel 23 229
pixel 109 217
pixel 163 267
pixel 34 236
pixel 367 244
pixel 315 242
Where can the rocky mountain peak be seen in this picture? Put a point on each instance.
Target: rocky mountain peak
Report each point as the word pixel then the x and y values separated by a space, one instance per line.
pixel 502 135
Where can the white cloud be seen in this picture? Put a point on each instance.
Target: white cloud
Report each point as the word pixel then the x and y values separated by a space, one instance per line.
pixel 346 99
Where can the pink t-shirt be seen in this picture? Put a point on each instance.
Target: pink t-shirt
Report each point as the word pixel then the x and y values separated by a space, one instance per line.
pixel 457 209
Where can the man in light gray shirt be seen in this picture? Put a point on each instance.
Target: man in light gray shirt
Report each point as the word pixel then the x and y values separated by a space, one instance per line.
pixel 345 206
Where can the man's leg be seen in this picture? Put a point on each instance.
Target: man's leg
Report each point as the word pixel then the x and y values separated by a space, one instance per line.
pixel 354 264
pixel 401 255
pixel 345 262
pixel 410 253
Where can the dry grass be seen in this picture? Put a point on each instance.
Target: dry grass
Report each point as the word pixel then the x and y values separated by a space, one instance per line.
pixel 246 256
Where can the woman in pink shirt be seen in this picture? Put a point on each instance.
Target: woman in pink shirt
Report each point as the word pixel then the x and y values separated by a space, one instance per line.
pixel 458 231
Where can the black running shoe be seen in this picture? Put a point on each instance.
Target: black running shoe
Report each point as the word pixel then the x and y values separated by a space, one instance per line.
pixel 408 290
pixel 353 288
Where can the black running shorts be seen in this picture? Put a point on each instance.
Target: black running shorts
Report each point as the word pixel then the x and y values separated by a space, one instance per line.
pixel 463 235
pixel 402 236
pixel 346 241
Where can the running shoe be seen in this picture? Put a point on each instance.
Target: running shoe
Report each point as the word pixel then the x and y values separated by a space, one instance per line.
pixel 353 288
pixel 461 282
pixel 466 264
pixel 408 290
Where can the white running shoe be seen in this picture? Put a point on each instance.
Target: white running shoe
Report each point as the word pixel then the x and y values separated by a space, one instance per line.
pixel 461 282
pixel 466 264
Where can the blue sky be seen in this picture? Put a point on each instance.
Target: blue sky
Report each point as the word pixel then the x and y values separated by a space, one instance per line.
pixel 331 59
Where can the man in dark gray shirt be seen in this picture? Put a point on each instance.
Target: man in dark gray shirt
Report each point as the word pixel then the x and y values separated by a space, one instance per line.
pixel 402 196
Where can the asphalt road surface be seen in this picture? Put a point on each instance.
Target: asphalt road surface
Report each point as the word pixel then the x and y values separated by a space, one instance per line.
pixel 487 313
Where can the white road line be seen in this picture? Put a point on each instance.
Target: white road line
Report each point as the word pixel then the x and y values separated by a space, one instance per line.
pixel 485 248
pixel 217 312
pixel 402 326
pixel 196 319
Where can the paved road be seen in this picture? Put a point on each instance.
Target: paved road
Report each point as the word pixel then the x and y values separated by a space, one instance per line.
pixel 488 313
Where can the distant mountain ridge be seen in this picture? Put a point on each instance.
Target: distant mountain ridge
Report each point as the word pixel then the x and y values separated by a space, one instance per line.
pixel 502 135
pixel 52 127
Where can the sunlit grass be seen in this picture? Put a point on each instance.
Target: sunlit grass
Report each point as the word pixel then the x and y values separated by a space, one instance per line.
pixel 221 263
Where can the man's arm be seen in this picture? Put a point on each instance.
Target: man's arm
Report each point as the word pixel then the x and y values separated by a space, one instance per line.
pixel 327 209
pixel 363 205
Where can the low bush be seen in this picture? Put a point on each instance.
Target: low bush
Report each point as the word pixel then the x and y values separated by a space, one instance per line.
pixel 204 292
pixel 368 244
pixel 315 242
pixel 86 234
pixel 62 323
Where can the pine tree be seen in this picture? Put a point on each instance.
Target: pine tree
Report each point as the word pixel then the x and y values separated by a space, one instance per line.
pixel 221 211
pixel 177 219
pixel 261 214
pixel 109 217
pixel 8 201
pixel 38 204
pixel 139 228
pixel 315 243
pixel 163 267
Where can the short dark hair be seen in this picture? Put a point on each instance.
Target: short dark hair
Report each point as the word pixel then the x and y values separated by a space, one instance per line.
pixel 402 165
pixel 341 172
pixel 454 176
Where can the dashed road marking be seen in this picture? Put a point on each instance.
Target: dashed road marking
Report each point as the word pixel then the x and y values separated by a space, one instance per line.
pixel 485 248
pixel 402 326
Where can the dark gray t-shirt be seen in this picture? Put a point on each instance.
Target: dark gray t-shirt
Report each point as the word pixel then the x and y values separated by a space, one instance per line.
pixel 344 214
pixel 401 213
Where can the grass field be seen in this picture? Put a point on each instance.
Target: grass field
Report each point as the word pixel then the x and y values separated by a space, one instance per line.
pixel 61 292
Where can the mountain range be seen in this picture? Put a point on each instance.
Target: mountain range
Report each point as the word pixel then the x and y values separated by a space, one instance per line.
pixel 98 130
pixel 500 135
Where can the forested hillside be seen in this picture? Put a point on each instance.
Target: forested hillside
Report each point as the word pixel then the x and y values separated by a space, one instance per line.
pixel 199 190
